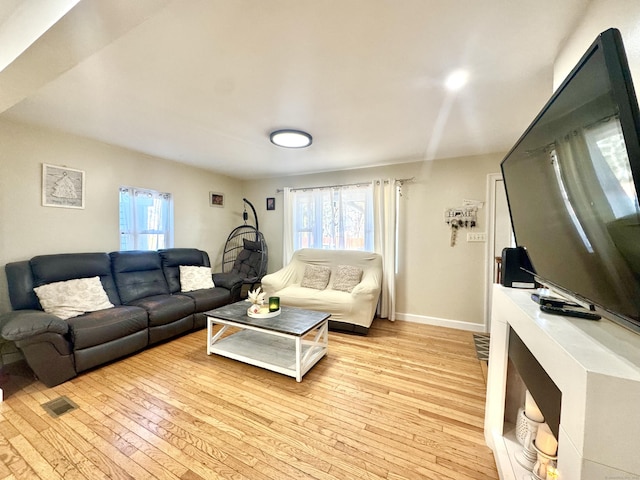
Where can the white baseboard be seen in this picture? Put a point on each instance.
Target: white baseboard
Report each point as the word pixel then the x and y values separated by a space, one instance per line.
pixel 441 322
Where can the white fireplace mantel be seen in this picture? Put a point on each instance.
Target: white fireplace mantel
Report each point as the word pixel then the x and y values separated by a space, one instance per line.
pixel 596 367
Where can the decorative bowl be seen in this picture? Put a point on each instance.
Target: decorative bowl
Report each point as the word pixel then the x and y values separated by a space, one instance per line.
pixel 263 313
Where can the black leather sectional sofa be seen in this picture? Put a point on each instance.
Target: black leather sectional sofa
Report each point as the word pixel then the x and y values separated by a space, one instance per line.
pixel 143 286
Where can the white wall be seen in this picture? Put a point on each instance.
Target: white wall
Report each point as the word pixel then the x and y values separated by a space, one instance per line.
pixel 27 228
pixel 600 16
pixel 436 283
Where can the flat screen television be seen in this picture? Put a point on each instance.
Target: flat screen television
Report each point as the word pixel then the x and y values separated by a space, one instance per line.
pixel 572 183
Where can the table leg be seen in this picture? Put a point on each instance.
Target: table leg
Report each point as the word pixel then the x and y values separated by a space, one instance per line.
pixel 320 340
pixel 298 359
pixel 213 338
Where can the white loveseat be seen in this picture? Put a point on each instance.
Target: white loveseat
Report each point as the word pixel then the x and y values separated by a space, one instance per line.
pixel 351 311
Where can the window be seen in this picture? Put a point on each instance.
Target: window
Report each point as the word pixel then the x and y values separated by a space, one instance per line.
pixel 611 164
pixel 146 219
pixel 333 218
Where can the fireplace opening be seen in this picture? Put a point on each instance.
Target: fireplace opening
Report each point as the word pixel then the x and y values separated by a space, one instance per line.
pixel 525 373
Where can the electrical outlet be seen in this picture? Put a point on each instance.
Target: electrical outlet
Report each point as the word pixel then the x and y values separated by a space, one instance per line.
pixel 476 237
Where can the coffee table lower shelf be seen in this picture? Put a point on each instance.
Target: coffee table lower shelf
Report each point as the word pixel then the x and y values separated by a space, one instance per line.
pixel 271 351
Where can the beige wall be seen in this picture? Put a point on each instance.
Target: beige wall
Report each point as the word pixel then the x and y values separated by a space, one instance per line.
pixel 27 228
pixel 599 16
pixel 435 281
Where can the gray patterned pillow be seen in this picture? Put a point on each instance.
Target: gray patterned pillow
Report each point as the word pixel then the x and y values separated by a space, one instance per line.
pixel 73 297
pixel 346 278
pixel 315 276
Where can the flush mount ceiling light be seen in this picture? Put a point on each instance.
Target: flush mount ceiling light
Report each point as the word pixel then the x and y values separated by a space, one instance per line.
pixel 290 138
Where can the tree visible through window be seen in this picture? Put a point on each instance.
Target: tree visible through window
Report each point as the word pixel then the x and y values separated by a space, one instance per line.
pixel 333 218
pixel 146 219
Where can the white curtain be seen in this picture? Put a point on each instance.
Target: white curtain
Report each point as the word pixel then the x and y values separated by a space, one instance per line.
pixel 287 231
pixel 146 219
pixel 385 197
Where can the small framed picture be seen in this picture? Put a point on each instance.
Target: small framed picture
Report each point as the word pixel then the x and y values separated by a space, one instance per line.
pixel 216 199
pixel 62 187
pixel 271 203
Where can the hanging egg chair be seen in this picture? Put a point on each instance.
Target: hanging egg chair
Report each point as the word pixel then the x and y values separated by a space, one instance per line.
pixel 245 252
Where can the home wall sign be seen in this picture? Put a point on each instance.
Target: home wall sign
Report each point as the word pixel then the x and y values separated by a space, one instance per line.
pixel 461 217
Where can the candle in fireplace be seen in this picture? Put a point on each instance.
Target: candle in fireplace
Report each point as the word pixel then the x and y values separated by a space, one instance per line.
pixel 545 441
pixel 531 409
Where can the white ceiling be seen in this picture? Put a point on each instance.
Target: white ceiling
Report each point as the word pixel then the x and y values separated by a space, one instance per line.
pixel 204 81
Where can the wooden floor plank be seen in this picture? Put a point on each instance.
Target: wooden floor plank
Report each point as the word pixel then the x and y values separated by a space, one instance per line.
pixel 404 402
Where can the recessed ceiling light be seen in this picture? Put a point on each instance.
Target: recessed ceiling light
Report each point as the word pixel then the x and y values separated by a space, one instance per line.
pixel 290 138
pixel 456 80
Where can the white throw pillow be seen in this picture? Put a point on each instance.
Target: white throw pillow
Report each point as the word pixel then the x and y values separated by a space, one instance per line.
pixel 315 276
pixel 346 277
pixel 73 297
pixel 195 278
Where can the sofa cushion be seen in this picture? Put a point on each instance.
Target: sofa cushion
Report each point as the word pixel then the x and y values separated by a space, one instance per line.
pixel 315 276
pixel 164 309
pixel 138 275
pixel 103 326
pixel 73 297
pixel 248 264
pixel 252 245
pixel 172 258
pixel 208 299
pixel 20 283
pixel 346 277
pixel 68 266
pixel 195 278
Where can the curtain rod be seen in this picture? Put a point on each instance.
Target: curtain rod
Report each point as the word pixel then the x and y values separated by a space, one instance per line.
pixel 401 181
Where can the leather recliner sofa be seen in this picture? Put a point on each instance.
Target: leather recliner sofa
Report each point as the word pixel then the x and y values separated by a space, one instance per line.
pixel 148 307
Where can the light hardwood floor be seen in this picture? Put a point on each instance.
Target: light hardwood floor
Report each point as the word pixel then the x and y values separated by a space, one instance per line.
pixel 405 402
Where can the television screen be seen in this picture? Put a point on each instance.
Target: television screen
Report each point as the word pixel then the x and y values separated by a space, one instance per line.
pixel 572 181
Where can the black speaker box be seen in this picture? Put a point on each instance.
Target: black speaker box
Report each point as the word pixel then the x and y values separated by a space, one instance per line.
pixel 513 275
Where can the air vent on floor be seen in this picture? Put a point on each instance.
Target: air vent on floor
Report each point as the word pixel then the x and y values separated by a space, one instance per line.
pixel 59 406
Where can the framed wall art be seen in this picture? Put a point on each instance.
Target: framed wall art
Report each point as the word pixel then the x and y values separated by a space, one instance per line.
pixel 62 187
pixel 216 199
pixel 271 203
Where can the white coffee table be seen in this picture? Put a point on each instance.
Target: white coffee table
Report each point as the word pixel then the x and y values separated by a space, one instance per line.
pixel 290 343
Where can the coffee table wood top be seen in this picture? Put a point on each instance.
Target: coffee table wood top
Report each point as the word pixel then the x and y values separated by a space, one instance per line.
pixel 292 321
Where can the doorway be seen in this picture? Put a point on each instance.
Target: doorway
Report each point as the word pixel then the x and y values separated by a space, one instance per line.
pixel 499 236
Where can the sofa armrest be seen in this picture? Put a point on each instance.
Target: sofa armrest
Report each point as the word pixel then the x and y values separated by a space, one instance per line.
pixel 276 281
pixel 370 284
pixel 22 324
pixel 42 339
pixel 230 281
pixel 227 280
pixel 364 289
pixel 365 296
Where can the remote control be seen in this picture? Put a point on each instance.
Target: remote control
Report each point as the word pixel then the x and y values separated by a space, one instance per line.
pixel 550 301
pixel 569 313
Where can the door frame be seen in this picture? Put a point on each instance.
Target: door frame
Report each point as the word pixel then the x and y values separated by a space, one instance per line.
pixel 493 179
